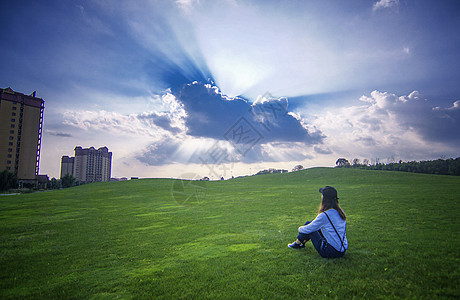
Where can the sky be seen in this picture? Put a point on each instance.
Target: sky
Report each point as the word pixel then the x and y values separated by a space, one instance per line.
pixel 194 88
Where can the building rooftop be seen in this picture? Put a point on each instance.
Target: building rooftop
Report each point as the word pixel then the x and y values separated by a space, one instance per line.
pixel 10 95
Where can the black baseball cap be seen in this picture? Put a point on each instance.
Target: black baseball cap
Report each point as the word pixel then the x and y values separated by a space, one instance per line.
pixel 329 192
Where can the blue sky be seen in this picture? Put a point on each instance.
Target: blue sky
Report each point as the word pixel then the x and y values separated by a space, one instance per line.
pixel 222 88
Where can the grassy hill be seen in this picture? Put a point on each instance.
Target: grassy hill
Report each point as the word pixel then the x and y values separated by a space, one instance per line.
pixel 171 239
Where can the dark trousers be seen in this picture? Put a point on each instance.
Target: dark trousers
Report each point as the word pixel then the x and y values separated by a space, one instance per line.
pixel 320 243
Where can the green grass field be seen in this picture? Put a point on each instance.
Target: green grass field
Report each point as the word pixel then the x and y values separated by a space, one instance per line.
pixel 138 239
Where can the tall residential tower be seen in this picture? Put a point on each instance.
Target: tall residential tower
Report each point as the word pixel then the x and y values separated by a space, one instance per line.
pixel 21 121
pixel 88 165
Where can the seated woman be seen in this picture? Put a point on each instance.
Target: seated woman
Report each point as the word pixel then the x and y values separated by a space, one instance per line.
pixel 327 231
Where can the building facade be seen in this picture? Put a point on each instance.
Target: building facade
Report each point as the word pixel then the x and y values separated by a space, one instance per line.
pixel 88 165
pixel 67 164
pixel 21 121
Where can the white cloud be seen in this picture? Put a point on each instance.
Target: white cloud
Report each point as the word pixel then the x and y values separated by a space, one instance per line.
pixel 387 125
pixel 187 4
pixel 382 4
pixel 455 106
pixel 153 124
pixel 110 122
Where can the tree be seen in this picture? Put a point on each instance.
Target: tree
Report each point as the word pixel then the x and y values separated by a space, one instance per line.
pixel 342 162
pixel 365 162
pixel 297 168
pixel 54 183
pixel 8 180
pixel 356 162
pixel 67 181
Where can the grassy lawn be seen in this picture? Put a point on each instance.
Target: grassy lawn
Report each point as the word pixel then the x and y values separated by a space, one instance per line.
pixel 138 239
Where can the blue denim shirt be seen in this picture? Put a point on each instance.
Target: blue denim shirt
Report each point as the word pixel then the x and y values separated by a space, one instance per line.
pixel 322 223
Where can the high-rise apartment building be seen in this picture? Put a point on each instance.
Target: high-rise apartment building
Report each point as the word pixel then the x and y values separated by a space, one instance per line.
pixel 88 165
pixel 21 121
pixel 67 164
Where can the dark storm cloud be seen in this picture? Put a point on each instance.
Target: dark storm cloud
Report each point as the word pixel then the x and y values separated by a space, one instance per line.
pixel 161 120
pixel 159 154
pixel 58 133
pixel 211 114
pixel 261 132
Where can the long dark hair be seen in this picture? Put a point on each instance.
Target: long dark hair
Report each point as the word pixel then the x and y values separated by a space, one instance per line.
pixel 328 203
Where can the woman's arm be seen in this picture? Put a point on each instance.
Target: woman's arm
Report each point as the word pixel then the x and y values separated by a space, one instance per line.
pixel 315 225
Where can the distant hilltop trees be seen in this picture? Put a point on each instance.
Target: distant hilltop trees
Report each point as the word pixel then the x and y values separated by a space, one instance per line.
pixel 272 171
pixel 449 166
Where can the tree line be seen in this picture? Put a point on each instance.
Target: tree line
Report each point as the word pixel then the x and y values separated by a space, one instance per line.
pixel 272 171
pixel 449 166
pixel 9 181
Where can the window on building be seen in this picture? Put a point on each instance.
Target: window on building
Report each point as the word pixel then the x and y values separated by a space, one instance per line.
pixel 8 168
pixel 10 143
pixel 13 114
pixel 11 131
pixel 11 138
pixel 8 162
pixel 13 120
pixel 14 107
pixel 9 155
pixel 10 150
pixel 12 125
